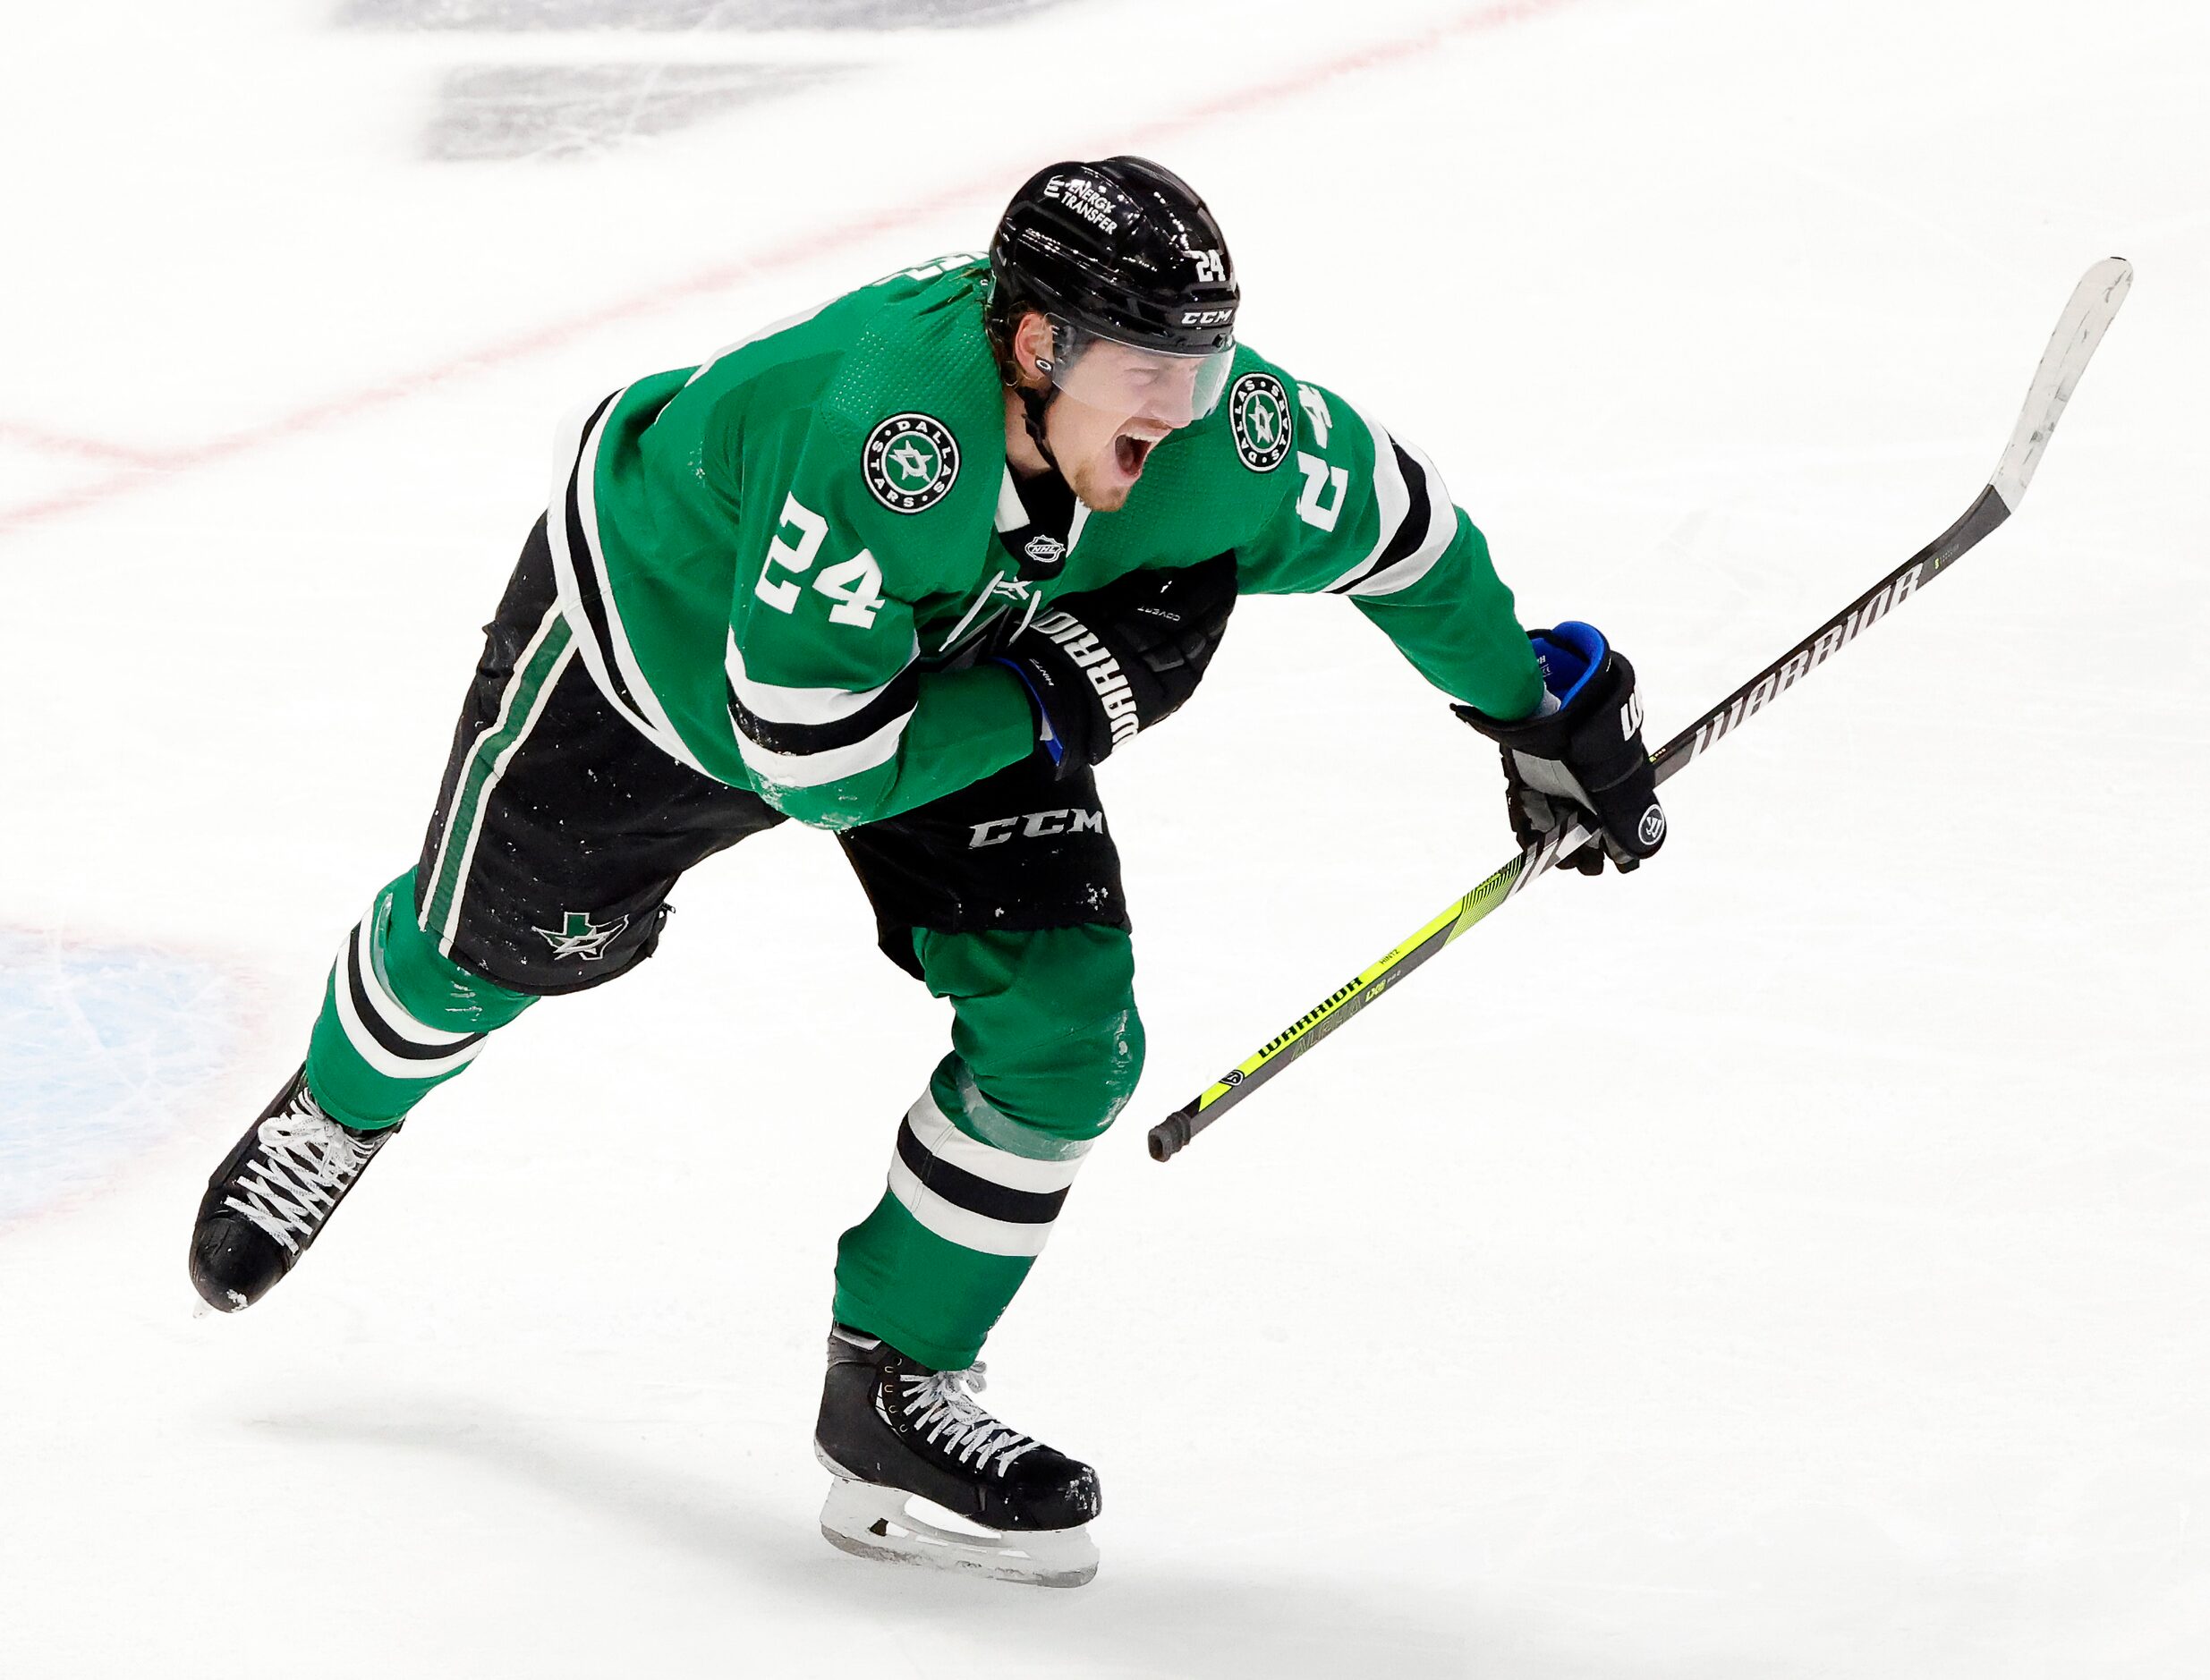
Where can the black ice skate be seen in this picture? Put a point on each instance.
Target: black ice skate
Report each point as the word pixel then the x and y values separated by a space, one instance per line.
pixel 273 1195
pixel 892 1429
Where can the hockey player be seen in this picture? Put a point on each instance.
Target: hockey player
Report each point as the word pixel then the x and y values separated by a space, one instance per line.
pixel 905 568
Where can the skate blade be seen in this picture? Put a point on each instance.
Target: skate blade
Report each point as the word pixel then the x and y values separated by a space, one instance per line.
pixel 874 1523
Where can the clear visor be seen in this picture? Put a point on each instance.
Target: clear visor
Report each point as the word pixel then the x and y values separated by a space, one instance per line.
pixel 1133 382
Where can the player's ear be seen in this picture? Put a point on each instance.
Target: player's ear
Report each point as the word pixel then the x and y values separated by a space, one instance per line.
pixel 1032 347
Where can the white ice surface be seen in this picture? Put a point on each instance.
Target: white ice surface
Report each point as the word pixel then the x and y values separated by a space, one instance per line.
pixel 1788 1262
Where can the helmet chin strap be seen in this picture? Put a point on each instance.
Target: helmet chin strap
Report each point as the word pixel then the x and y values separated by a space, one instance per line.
pixel 1034 406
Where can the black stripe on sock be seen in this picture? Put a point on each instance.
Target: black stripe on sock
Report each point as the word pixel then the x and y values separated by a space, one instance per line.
pixel 896 699
pixel 595 610
pixel 378 1028
pixel 963 1189
pixel 1411 533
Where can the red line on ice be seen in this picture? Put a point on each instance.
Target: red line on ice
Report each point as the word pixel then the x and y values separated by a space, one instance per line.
pixel 62 443
pixel 147 466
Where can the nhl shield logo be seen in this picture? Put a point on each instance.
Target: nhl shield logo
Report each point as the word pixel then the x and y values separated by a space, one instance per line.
pixel 1258 414
pixel 910 463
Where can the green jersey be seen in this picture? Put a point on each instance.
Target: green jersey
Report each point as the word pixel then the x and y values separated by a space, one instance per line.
pixel 779 566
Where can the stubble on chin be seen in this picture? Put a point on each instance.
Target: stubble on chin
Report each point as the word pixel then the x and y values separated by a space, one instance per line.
pixel 1098 501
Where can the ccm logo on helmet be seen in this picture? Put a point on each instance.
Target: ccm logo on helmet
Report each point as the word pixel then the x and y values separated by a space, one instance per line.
pixel 1207 317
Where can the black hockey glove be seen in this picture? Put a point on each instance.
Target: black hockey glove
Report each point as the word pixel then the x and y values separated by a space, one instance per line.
pixel 1104 664
pixel 1583 756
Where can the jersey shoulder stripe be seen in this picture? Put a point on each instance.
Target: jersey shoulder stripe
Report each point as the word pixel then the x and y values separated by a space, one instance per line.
pixel 1417 523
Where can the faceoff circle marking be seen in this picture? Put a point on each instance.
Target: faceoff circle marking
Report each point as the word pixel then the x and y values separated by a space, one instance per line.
pixel 911 462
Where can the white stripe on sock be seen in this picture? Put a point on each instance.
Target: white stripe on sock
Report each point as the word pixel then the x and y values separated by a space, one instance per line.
pixel 375 1054
pixel 389 1010
pixel 955 1224
pixel 947 1143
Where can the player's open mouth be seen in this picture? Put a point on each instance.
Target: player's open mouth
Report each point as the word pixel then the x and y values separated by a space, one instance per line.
pixel 1129 452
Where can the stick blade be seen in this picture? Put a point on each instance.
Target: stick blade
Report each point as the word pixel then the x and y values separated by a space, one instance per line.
pixel 2093 307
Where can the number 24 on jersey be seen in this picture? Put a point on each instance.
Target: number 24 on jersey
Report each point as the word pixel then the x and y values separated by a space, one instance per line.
pixel 855 585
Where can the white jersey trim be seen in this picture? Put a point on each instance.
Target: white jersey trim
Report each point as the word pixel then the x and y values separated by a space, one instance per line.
pixel 777 704
pixel 576 462
pixel 833 764
pixel 1393 499
pixel 1011 514
pixel 1442 526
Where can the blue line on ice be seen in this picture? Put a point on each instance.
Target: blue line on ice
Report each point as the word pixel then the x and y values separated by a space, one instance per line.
pixel 101 1049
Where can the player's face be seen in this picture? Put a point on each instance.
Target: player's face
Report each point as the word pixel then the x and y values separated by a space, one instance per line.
pixel 1101 447
pixel 1115 404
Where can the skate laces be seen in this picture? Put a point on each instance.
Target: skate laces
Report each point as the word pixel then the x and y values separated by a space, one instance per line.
pixel 302 1161
pixel 939 1402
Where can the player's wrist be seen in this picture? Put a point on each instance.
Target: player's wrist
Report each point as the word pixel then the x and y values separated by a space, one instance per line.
pixel 1582 758
pixel 1047 737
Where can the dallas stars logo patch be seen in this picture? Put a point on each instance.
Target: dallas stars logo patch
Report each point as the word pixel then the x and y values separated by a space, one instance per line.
pixel 910 463
pixel 580 937
pixel 1258 414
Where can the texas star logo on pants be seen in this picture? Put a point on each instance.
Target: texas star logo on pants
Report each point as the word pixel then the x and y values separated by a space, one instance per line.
pixel 581 936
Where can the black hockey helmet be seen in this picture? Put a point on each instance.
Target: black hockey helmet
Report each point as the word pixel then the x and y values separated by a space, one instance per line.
pixel 1122 249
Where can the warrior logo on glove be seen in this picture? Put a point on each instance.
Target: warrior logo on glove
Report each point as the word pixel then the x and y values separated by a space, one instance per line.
pixel 1110 661
pixel 1079 644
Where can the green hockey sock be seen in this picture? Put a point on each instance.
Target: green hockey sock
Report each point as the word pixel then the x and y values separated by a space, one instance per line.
pixel 971 1198
pixel 399 1017
pixel 1047 1047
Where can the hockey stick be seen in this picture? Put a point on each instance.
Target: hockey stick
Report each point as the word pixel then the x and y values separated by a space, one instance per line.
pixel 2094 303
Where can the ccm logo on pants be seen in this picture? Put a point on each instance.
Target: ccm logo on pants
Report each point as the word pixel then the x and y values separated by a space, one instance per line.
pixel 1036 825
